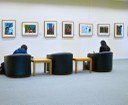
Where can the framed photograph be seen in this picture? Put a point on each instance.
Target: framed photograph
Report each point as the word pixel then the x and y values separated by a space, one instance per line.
pixel 119 29
pixel 50 29
pixel 103 29
pixel 85 29
pixel 8 28
pixel 29 28
pixel 67 29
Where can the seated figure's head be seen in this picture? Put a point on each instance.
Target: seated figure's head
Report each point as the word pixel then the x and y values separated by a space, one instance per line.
pixel 24 47
pixel 103 42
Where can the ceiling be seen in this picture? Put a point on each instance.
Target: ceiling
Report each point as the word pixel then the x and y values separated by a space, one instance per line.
pixel 119 4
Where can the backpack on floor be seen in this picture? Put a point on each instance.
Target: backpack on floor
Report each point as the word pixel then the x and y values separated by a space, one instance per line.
pixel 2 71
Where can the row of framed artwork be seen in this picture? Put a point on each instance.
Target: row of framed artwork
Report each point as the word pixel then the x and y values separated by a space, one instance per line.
pixel 50 29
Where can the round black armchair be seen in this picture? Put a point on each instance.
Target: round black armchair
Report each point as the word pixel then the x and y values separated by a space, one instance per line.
pixel 62 63
pixel 17 65
pixel 102 62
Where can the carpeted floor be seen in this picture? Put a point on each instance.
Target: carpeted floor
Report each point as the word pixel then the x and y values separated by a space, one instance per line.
pixel 83 88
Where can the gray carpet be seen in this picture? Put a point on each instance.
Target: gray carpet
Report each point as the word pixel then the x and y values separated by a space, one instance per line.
pixel 83 88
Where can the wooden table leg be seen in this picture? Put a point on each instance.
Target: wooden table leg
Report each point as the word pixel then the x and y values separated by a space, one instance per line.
pixel 90 65
pixel 50 72
pixel 45 67
pixel 83 65
pixel 34 68
pixel 75 66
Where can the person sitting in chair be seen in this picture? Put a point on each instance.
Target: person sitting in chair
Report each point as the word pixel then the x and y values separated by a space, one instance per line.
pixel 104 46
pixel 21 50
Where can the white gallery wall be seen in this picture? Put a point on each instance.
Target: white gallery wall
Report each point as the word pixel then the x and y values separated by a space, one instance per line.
pixel 81 11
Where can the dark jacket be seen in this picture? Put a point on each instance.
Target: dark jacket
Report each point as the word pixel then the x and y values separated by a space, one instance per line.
pixel 104 48
pixel 20 50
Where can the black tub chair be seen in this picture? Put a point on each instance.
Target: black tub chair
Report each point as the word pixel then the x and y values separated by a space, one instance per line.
pixel 17 65
pixel 62 63
pixel 102 62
